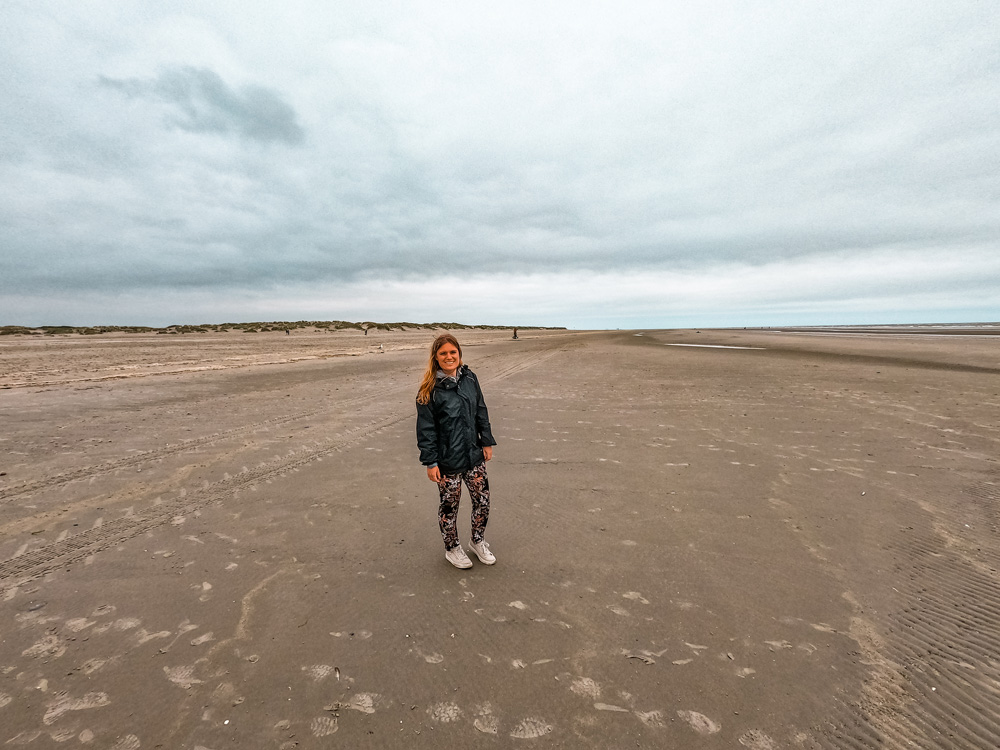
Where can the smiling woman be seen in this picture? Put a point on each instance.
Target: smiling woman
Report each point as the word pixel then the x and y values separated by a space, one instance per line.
pixel 455 441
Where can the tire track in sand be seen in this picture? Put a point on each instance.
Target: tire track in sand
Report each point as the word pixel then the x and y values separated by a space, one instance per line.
pixel 7 494
pixel 106 467
pixel 137 459
pixel 65 552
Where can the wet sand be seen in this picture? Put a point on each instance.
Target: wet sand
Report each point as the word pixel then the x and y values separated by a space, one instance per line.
pixel 226 541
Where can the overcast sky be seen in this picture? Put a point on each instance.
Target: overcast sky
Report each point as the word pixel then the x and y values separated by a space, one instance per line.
pixel 587 164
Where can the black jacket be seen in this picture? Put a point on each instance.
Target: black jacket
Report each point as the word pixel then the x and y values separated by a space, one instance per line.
pixel 453 426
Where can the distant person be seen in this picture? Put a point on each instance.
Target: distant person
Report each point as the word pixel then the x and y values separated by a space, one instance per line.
pixel 455 442
pixel 515 334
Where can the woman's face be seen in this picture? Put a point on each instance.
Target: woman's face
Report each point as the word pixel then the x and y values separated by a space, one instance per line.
pixel 448 358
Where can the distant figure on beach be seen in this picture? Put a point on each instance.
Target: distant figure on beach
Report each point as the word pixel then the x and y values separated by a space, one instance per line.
pixel 366 332
pixel 288 332
pixel 455 442
pixel 515 334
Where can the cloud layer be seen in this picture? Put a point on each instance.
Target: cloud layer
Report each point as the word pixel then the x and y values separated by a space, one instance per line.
pixel 569 164
pixel 201 102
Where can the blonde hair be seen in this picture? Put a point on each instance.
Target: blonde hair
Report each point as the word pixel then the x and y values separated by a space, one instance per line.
pixel 430 375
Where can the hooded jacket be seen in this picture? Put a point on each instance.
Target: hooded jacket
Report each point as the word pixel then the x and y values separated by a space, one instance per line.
pixel 454 425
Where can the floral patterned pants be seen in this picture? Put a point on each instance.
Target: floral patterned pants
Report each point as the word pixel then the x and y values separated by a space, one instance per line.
pixel 450 488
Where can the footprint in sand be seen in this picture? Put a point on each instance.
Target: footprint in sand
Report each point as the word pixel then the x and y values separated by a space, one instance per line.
pixel 204 638
pixel 652 719
pixel 51 646
pixel 224 693
pixel 531 728
pixel 323 726
pixel 434 658
pixel 128 742
pixel 486 721
pixel 34 618
pixel 518 605
pixel 64 703
pixel 362 635
pixel 92 665
pixel 318 672
pixel 144 636
pixel 445 713
pixel 206 587
pixel 699 722
pixel 183 676
pixel 364 702
pixel 757 740
pixel 586 688
pixel 4 699
pixel 635 596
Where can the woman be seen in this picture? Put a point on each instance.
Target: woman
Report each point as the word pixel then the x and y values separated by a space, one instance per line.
pixel 455 441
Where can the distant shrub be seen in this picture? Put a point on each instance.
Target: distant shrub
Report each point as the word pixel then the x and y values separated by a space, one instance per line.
pixel 257 327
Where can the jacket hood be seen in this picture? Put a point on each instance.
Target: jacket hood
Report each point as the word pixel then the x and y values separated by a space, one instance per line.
pixel 448 382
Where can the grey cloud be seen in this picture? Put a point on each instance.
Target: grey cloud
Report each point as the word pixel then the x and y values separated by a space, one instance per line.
pixel 430 154
pixel 207 104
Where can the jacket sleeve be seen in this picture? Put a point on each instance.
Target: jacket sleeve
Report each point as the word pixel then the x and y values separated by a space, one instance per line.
pixel 427 434
pixel 483 419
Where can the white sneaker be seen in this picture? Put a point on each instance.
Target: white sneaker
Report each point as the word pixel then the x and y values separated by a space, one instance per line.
pixel 482 551
pixel 458 558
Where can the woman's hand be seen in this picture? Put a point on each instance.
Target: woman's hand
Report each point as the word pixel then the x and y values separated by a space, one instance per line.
pixel 434 474
pixel 487 452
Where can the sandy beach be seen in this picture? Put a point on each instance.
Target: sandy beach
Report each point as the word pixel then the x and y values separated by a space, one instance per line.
pixel 714 539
